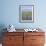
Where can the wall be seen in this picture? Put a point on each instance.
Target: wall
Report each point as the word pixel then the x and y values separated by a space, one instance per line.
pixel 10 13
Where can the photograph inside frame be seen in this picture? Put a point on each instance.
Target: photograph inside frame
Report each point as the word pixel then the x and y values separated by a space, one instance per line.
pixel 26 13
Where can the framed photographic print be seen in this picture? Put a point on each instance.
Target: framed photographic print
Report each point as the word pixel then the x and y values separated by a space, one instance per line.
pixel 26 13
